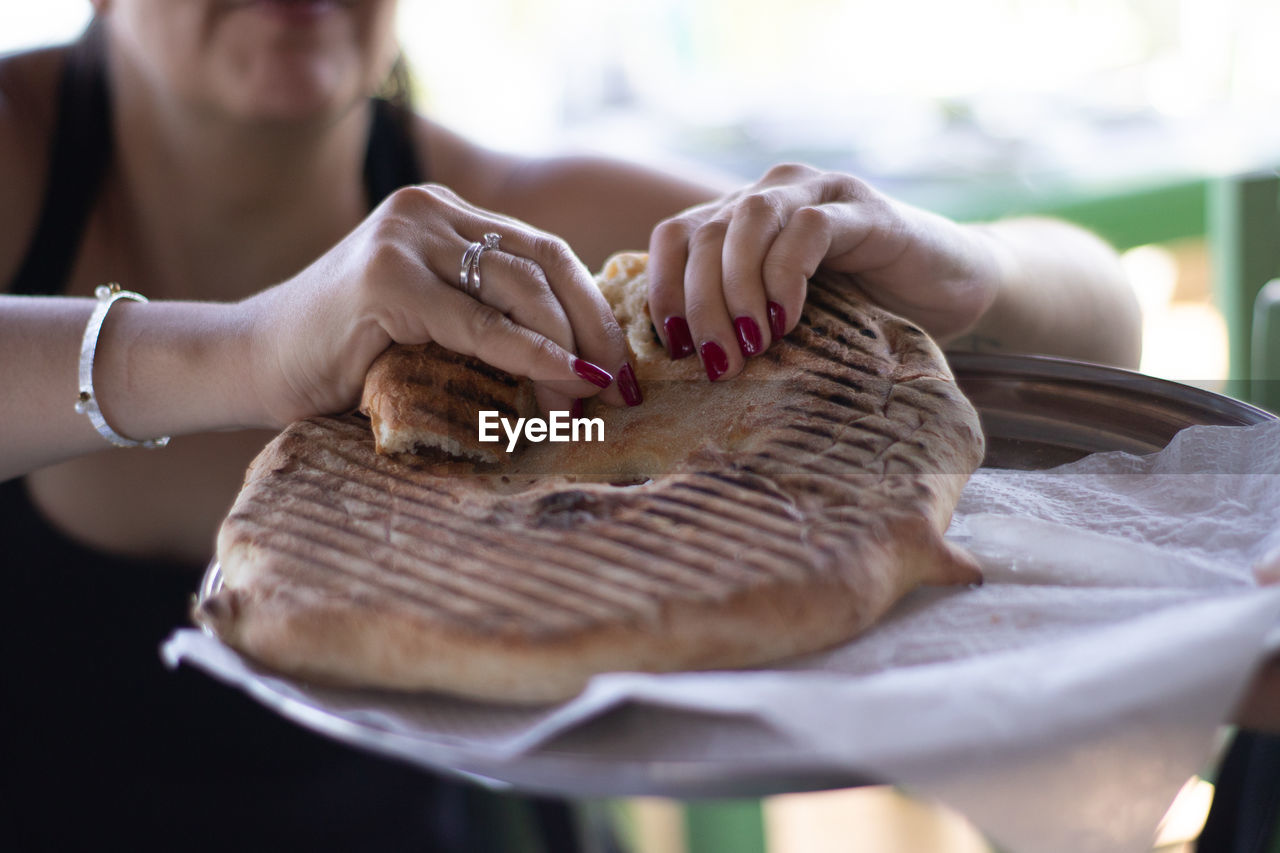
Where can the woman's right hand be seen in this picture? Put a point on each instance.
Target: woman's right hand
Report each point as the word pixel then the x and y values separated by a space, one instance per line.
pixel 394 279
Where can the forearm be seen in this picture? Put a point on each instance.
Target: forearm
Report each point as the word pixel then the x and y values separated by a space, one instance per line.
pixel 160 369
pixel 1060 291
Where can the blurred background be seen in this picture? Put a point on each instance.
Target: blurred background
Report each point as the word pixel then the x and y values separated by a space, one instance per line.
pixel 1113 113
pixel 1153 122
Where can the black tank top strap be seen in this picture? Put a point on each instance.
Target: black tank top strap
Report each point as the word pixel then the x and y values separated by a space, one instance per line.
pixel 391 159
pixel 81 149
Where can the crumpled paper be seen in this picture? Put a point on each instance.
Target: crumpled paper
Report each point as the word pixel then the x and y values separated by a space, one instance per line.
pixel 1060 706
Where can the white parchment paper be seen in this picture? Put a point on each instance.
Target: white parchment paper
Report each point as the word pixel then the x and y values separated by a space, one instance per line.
pixel 1060 706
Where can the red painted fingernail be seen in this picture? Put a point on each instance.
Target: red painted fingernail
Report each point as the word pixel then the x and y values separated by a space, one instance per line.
pixel 629 387
pixel 777 321
pixel 714 360
pixel 749 339
pixel 679 341
pixel 575 409
pixel 597 376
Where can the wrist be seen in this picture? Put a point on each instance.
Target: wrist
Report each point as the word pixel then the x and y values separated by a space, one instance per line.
pixel 258 363
pixel 247 339
pixel 107 296
pixel 174 368
pixel 272 400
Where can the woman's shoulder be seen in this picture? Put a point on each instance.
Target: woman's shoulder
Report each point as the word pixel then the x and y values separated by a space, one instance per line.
pixel 28 111
pixel 472 171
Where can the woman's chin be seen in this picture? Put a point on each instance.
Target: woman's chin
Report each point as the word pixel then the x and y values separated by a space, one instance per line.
pixel 296 95
pixel 273 65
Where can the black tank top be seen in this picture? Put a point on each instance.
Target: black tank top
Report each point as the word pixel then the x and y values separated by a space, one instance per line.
pixel 98 740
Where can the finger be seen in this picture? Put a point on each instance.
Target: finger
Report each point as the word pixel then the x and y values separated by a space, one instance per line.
pixel 709 321
pixel 668 256
pixel 792 260
pixel 465 326
pixel 518 288
pixel 757 220
pixel 596 332
pixel 551 400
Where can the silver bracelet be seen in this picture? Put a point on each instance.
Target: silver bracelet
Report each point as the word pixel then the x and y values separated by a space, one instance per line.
pixel 87 402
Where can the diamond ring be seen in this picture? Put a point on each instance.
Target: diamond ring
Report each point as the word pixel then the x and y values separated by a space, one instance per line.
pixel 469 275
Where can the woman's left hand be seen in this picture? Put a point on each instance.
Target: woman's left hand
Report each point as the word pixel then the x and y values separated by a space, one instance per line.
pixel 727 278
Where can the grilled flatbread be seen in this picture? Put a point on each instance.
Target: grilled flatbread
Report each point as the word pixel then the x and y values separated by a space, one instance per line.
pixel 722 524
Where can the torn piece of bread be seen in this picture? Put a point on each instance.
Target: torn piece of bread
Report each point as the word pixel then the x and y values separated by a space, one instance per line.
pixel 425 397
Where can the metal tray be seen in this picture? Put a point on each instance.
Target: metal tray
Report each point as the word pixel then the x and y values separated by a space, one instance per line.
pixel 1037 413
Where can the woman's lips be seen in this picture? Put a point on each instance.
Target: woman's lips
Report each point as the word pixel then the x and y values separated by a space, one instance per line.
pixel 298 11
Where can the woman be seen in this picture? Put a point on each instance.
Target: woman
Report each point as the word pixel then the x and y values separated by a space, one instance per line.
pixel 222 157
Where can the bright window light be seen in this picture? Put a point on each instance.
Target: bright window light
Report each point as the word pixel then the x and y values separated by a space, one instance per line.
pixel 1033 91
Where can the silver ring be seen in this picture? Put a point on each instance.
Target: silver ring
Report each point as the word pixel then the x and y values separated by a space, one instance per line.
pixel 469 274
pixel 468 257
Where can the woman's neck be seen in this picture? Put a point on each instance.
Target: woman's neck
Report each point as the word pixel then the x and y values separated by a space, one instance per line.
pixel 206 198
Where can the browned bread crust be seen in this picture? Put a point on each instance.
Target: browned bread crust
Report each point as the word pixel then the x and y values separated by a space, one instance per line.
pixel 719 525
pixel 423 398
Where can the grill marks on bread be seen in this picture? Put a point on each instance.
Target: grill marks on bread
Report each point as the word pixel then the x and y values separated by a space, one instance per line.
pixel 776 514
